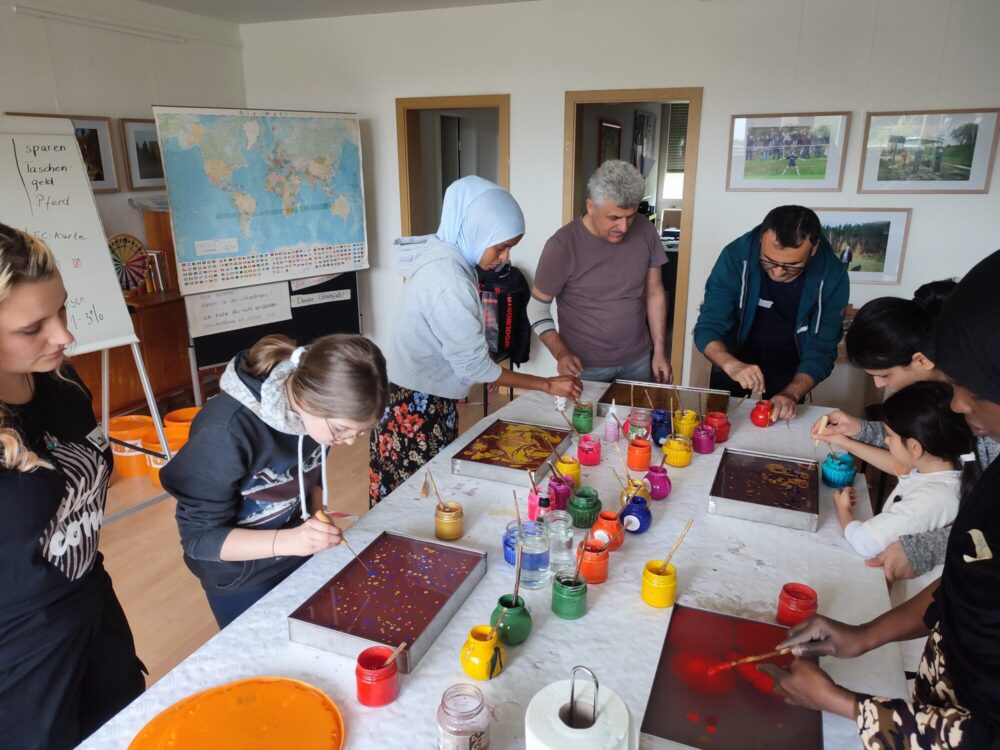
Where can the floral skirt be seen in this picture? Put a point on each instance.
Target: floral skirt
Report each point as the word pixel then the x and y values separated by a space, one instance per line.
pixel 413 429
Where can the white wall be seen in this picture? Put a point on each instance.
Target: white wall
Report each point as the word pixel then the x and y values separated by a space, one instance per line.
pixel 750 57
pixel 101 58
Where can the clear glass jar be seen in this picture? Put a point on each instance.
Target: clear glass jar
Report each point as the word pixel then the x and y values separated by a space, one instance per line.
pixel 559 524
pixel 463 719
pixel 640 424
pixel 533 539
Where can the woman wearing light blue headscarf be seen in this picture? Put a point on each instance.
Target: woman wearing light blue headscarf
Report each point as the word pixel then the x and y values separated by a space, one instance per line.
pixel 438 349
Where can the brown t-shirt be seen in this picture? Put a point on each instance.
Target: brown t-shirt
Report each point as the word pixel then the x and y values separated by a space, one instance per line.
pixel 600 288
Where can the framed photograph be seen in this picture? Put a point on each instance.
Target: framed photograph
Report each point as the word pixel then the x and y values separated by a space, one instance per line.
pixel 142 155
pixel 871 242
pixel 643 141
pixel 800 152
pixel 937 151
pixel 93 133
pixel 609 141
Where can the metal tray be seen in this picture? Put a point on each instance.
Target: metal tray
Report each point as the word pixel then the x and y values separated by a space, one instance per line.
pixel 481 455
pixel 419 586
pixel 767 488
pixel 662 396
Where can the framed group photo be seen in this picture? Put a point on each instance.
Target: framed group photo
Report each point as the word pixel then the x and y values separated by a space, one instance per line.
pixel 937 151
pixel 801 152
pixel 870 242
pixel 142 155
pixel 93 134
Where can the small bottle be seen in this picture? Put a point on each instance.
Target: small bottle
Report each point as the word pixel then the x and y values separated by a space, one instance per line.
pixel 463 720
pixel 544 506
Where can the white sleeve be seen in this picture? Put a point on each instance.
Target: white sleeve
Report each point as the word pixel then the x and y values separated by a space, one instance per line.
pixel 861 540
pixel 928 506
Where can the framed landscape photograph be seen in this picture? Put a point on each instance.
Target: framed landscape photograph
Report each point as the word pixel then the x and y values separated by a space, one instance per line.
pixel 93 134
pixel 609 141
pixel 871 242
pixel 937 151
pixel 803 151
pixel 142 155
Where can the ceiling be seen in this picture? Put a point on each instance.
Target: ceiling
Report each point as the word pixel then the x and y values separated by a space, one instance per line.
pixel 261 11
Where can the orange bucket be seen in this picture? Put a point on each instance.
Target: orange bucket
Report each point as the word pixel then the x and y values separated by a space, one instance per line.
pixel 130 429
pixel 176 434
pixel 181 416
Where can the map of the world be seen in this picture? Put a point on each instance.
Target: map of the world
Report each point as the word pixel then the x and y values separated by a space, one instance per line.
pixel 258 196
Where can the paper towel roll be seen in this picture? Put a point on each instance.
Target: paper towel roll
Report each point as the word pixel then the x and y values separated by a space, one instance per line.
pixel 545 730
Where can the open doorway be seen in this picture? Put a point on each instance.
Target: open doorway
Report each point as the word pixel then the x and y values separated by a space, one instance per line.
pixel 442 139
pixel 657 131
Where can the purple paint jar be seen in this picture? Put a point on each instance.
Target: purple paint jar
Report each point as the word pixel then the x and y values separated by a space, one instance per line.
pixel 559 492
pixel 703 439
pixel 659 482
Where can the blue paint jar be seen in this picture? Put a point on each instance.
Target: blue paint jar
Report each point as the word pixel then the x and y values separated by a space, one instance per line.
pixel 839 471
pixel 510 543
pixel 661 426
pixel 636 516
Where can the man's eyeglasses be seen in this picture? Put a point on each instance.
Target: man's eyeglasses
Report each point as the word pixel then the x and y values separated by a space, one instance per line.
pixel 342 434
pixel 791 269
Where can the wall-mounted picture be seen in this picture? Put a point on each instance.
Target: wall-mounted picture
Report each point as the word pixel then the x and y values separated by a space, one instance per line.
pixel 609 141
pixel 142 155
pixel 93 134
pixel 938 151
pixel 871 242
pixel 803 151
pixel 643 141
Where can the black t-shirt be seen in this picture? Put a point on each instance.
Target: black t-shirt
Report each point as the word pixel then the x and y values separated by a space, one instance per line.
pixel 51 518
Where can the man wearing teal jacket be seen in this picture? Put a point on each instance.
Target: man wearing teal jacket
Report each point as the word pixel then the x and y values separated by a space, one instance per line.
pixel 774 310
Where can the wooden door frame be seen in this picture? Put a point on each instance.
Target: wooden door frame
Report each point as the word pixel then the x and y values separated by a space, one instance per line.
pixel 571 165
pixel 408 141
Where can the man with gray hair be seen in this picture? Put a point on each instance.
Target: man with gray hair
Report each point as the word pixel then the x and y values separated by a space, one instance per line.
pixel 604 270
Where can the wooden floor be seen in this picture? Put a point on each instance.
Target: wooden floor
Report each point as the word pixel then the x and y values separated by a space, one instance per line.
pixel 163 601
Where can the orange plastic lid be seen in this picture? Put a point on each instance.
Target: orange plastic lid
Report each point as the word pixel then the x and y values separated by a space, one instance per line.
pixel 259 712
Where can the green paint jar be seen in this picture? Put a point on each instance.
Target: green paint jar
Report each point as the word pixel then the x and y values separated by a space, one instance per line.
pixel 584 507
pixel 516 625
pixel 569 596
pixel 583 417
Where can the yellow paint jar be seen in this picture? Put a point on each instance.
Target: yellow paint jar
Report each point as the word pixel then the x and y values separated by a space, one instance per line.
pixel 482 657
pixel 659 590
pixel 637 487
pixel 570 467
pixel 679 451
pixel 448 521
pixel 684 422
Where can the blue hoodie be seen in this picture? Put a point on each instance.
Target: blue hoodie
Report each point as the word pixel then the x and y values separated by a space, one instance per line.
pixel 733 289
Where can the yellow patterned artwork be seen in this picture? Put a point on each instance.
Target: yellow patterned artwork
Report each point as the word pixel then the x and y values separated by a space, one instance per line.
pixel 513 445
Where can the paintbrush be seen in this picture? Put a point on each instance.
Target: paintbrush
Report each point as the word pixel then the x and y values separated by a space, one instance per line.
pixel 687 528
pixel 517 510
pixel 576 573
pixel 716 668
pixel 531 478
pixel 622 459
pixel 619 479
pixel 437 494
pixel 648 399
pixel 631 395
pixel 395 652
pixel 630 497
pixel 425 488
pixel 555 471
pixel 568 423
pixel 678 394
pixel 823 422
pixel 740 402
pixel 517 573
pixel 493 630
pixel 322 517
pixel 663 458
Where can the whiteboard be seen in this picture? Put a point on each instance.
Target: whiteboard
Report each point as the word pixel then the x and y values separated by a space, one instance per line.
pixel 44 190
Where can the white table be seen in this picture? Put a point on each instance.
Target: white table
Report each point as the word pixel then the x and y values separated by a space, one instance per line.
pixel 725 565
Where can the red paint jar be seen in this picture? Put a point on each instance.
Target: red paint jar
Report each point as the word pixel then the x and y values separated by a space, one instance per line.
pixel 594 566
pixel 639 454
pixel 760 415
pixel 589 450
pixel 377 685
pixel 796 603
pixel 720 421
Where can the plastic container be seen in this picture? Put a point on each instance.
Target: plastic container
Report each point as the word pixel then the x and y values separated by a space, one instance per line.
pixel 463 719
pixel 635 487
pixel 659 483
pixel 720 421
pixel 130 429
pixel 559 524
pixel 760 415
pixel 569 596
pixel 639 454
pixel 661 426
pixel 584 507
pixel 482 656
pixel 516 625
pixel 839 471
pixel 610 429
pixel 685 420
pixel 448 521
pixel 639 424
pixel 679 451
pixel 533 539
pixel 796 603
pixel 607 530
pixel 589 450
pixel 583 417
pixel 594 566
pixel 560 492
pixel 176 434
pixel 568 466
pixel 181 416
pixel 377 685
pixel 703 440
pixel 659 590
pixel 636 517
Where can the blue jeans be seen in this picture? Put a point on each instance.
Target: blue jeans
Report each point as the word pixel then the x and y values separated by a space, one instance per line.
pixel 641 369
pixel 227 607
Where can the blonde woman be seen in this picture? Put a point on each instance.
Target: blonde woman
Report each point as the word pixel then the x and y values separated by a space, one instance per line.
pixel 252 471
pixel 67 658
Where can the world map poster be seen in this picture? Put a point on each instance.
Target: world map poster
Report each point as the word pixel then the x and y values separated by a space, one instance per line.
pixel 259 196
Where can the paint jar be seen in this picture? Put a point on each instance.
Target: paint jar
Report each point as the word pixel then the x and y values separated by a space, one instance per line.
pixel 594 566
pixel 839 471
pixel 377 685
pixel 509 542
pixel 533 539
pixel 760 415
pixel 661 426
pixel 685 420
pixel 640 424
pixel 448 521
pixel 679 451
pixel 560 492
pixel 463 720
pixel 659 590
pixel 559 524
pixel 611 428
pixel 607 530
pixel 584 507
pixel 720 421
pixel 589 450
pixel 796 603
pixel 639 454
pixel 569 596
pixel 516 625
pixel 635 487
pixel 659 483
pixel 636 517
pixel 583 417
pixel 703 440
pixel 482 656
pixel 544 508
pixel 568 466
pixel 533 503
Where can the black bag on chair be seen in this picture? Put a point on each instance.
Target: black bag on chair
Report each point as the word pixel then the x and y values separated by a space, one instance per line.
pixel 504 294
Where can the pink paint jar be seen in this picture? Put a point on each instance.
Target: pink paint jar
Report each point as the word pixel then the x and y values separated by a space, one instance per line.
pixel 532 505
pixel 659 482
pixel 559 492
pixel 720 421
pixel 589 450
pixel 703 439
pixel 796 603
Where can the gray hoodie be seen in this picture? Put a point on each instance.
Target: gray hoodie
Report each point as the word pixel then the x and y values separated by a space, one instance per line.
pixel 438 342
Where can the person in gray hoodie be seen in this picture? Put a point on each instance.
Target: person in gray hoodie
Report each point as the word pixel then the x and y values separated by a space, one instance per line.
pixel 256 460
pixel 438 348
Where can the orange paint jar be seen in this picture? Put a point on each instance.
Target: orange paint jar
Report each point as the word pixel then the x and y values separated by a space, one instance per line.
pixel 594 567
pixel 639 454
pixel 606 530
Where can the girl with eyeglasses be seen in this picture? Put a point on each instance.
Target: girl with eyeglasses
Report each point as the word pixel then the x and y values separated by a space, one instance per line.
pixel 253 470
